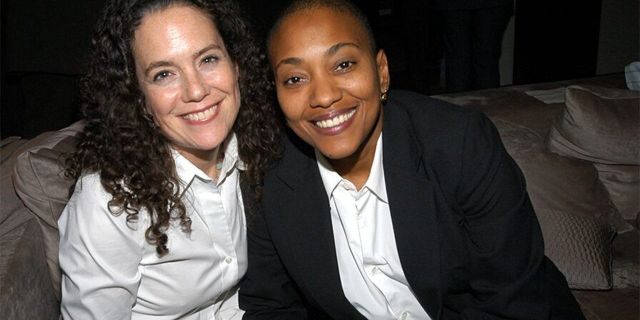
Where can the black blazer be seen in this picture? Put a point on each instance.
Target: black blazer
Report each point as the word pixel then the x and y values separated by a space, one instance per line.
pixel 468 239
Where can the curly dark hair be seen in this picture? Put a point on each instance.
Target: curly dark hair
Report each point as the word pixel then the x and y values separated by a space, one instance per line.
pixel 131 155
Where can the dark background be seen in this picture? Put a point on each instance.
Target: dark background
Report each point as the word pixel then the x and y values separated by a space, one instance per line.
pixel 44 46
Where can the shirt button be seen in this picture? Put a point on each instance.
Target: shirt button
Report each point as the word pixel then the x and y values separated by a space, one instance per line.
pixel 374 270
pixel 228 260
pixel 404 315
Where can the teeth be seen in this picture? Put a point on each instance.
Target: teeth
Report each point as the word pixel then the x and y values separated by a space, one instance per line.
pixel 335 121
pixel 200 116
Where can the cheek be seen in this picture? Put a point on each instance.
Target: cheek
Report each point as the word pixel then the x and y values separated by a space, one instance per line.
pixel 224 78
pixel 293 115
pixel 290 105
pixel 160 102
pixel 365 86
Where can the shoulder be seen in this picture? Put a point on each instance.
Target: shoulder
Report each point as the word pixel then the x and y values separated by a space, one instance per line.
pixel 427 110
pixel 434 122
pixel 88 208
pixel 89 189
pixel 450 139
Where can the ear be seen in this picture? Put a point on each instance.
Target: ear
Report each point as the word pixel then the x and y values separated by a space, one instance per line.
pixel 383 70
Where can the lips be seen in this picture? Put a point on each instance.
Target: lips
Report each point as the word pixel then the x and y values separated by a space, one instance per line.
pixel 203 115
pixel 335 120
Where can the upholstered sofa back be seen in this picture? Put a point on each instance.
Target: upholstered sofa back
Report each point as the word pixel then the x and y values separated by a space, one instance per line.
pixel 574 203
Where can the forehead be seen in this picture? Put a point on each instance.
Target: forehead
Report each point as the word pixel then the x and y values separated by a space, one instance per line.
pixel 313 27
pixel 174 23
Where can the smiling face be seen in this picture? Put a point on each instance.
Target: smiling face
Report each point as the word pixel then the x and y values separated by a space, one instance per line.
pixel 189 82
pixel 329 83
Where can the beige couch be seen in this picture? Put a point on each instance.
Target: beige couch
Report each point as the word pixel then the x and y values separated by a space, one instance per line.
pixel 580 154
pixel 585 206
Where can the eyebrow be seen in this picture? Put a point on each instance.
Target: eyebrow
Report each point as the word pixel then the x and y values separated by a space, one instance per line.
pixel 331 51
pixel 336 47
pixel 163 63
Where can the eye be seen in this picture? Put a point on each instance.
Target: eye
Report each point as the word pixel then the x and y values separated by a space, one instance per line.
pixel 345 65
pixel 292 81
pixel 162 75
pixel 210 59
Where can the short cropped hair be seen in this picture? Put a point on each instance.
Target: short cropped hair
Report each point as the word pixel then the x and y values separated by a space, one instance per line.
pixel 342 6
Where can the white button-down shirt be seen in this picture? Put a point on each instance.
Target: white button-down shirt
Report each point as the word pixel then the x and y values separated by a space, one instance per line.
pixel 111 272
pixel 370 271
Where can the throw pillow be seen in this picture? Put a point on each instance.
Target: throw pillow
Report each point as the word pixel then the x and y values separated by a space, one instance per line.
pixel 602 125
pixel 41 185
pixel 623 184
pixel 571 205
pixel 599 125
pixel 12 208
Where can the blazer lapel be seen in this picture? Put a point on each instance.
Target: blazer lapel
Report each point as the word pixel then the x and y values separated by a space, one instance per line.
pixel 306 213
pixel 413 209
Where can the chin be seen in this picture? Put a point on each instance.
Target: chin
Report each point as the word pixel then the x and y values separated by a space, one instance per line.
pixel 336 154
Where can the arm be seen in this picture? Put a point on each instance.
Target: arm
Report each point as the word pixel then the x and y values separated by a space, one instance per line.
pixel 99 256
pixel 510 277
pixel 267 292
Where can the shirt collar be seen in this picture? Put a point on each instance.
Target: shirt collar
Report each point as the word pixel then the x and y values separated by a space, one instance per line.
pixel 231 158
pixel 375 182
pixel 187 171
pixel 330 178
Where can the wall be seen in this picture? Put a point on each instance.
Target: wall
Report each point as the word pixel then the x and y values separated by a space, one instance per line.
pixel 619 35
pixel 618 41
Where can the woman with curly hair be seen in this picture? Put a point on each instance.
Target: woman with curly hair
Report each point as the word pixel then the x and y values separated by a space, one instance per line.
pixel 178 114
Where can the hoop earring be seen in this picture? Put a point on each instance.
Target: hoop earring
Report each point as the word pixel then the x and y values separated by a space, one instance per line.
pixel 384 96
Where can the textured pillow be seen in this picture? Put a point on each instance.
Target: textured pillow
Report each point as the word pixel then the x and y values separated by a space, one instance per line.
pixel 599 125
pixel 41 185
pixel 571 205
pixel 575 215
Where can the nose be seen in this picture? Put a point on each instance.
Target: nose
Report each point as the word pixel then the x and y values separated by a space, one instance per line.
pixel 195 89
pixel 324 92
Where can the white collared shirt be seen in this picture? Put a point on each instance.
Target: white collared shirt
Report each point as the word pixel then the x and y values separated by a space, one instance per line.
pixel 111 272
pixel 370 271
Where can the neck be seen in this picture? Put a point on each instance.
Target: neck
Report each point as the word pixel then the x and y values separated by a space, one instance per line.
pixel 205 160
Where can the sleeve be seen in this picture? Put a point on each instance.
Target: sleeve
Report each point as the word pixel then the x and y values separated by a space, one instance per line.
pixel 510 276
pixel 267 292
pixel 99 256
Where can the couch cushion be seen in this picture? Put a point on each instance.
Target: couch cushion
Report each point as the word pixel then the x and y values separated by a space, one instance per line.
pixel 572 207
pixel 41 185
pixel 12 211
pixel 623 184
pixel 602 125
pixel 599 125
